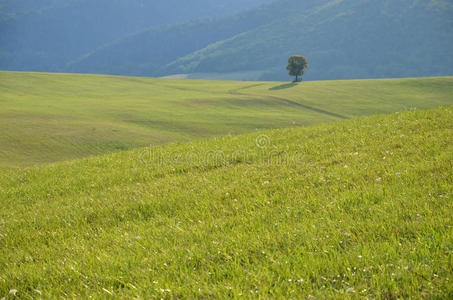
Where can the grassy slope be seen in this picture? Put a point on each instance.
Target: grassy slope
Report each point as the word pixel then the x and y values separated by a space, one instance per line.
pixel 52 117
pixel 359 207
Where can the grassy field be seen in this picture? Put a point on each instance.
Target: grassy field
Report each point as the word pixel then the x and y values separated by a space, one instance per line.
pixel 54 117
pixel 350 209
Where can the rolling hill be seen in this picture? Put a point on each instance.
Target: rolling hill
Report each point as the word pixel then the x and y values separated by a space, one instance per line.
pixel 239 40
pixel 352 209
pixel 53 117
pixel 134 187
pixel 45 35
pixel 149 51
pixel 343 39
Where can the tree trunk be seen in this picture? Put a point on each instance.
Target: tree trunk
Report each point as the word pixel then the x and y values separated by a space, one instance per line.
pixel 297 80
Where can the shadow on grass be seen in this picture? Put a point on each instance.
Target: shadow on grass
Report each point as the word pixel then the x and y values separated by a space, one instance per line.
pixel 283 86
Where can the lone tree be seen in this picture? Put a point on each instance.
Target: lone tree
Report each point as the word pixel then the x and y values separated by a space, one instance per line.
pixel 297 65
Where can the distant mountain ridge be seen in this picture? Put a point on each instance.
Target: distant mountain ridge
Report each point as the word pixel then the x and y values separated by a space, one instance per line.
pixel 148 52
pixel 342 39
pixel 45 35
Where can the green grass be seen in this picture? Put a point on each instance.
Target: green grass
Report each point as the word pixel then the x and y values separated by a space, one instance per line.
pixel 54 117
pixel 352 209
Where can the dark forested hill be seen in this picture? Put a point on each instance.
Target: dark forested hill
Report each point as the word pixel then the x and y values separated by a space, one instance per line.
pixel 148 52
pixel 341 38
pixel 44 35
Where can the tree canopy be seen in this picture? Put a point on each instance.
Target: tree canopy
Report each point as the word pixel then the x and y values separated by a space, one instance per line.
pixel 297 65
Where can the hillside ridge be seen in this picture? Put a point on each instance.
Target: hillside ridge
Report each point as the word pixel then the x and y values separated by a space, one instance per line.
pixel 347 39
pixel 52 117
